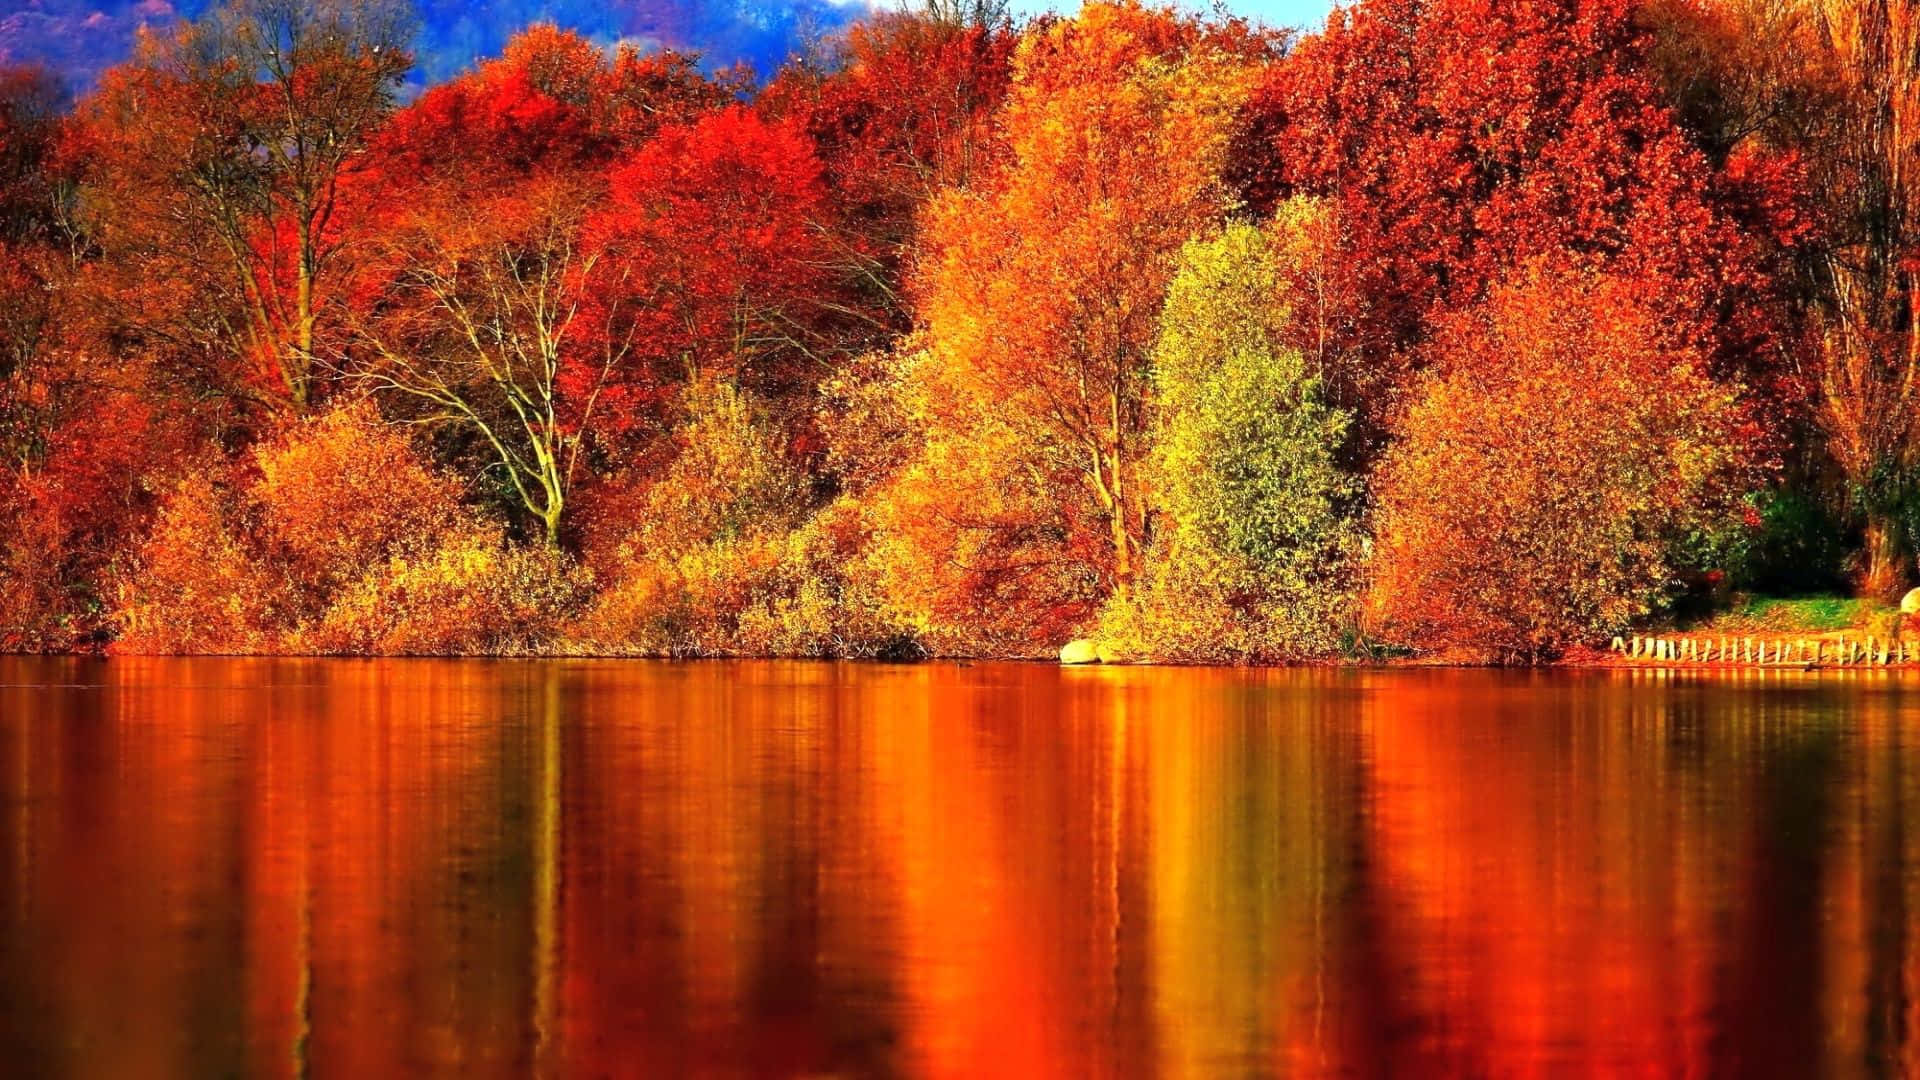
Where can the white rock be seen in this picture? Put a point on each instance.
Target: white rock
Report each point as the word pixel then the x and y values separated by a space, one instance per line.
pixel 1079 651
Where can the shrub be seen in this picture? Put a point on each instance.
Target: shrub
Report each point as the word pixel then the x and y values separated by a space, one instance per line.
pixel 1567 440
pixel 471 593
pixel 342 492
pixel 336 536
pixel 824 595
pixel 74 504
pixel 725 560
pixel 198 585
pixel 1786 543
pixel 729 478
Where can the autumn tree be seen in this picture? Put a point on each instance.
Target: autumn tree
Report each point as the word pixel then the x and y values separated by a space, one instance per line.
pixel 1458 138
pixel 1565 444
pixel 708 253
pixel 78 435
pixel 31 103
pixel 641 92
pixel 481 328
pixel 29 254
pixel 551 100
pixel 551 316
pixel 493 308
pixel 223 149
pixel 1258 539
pixel 1040 295
pixel 903 108
pixel 1825 93
pixel 1865 356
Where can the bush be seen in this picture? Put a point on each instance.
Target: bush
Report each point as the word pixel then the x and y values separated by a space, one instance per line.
pixel 1566 442
pixel 337 536
pixel 342 492
pixel 198 586
pixel 726 561
pixel 1786 543
pixel 75 504
pixel 470 594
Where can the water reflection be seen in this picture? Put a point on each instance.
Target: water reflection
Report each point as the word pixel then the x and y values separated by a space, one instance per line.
pixel 328 868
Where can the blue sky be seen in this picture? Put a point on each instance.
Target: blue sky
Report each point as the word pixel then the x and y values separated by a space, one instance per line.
pixel 79 38
pixel 1307 14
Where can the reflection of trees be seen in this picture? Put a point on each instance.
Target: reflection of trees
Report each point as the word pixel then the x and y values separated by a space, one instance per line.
pixel 1252 802
pixel 620 869
pixel 1614 872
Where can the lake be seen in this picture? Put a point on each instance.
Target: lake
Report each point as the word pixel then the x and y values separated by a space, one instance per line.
pixel 363 869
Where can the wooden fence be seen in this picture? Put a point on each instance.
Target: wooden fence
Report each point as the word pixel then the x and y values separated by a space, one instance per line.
pixel 1767 652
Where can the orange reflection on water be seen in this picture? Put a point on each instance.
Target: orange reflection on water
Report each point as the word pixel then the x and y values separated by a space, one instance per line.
pixel 375 868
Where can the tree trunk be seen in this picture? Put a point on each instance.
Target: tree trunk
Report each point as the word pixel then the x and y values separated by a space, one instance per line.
pixel 1123 568
pixel 1884 572
pixel 303 313
pixel 550 518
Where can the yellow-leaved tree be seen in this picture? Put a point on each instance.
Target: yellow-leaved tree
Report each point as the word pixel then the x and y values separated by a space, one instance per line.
pixel 1255 538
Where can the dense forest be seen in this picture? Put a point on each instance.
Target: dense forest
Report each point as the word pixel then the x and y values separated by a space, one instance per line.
pixel 1477 328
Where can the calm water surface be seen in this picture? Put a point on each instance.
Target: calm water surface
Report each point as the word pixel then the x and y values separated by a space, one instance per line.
pixel 389 868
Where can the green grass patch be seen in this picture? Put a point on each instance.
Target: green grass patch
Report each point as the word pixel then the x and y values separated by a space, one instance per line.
pixel 1792 615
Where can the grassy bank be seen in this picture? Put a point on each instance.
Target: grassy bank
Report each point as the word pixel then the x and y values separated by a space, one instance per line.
pixel 1825 614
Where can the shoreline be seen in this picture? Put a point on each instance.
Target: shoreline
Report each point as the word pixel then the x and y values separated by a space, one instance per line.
pixel 1579 659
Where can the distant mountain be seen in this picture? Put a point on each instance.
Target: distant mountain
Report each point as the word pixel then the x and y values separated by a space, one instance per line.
pixel 81 38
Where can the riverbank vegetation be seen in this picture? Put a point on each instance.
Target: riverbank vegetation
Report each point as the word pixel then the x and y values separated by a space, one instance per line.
pixel 1480 328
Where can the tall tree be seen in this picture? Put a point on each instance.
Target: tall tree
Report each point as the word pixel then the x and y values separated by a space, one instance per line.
pixel 1828 92
pixel 231 141
pixel 904 109
pixel 1865 169
pixel 29 257
pixel 1458 138
pixel 480 328
pixel 549 309
pixel 710 248
pixel 1042 286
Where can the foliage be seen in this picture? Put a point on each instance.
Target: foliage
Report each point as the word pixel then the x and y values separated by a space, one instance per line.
pixel 334 537
pixel 727 559
pixel 1489 326
pixel 552 100
pixel 1255 558
pixel 480 329
pixel 1538 492
pixel 75 505
pixel 1450 161
pixel 1039 297
pixel 470 593
pixel 219 154
pixel 906 109
pixel 707 255
pixel 1786 543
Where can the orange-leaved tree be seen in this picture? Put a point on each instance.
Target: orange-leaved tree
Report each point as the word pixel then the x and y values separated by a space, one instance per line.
pixel 906 109
pixel 1457 139
pixel 481 326
pixel 1039 295
pixel 219 154
pixel 1566 442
